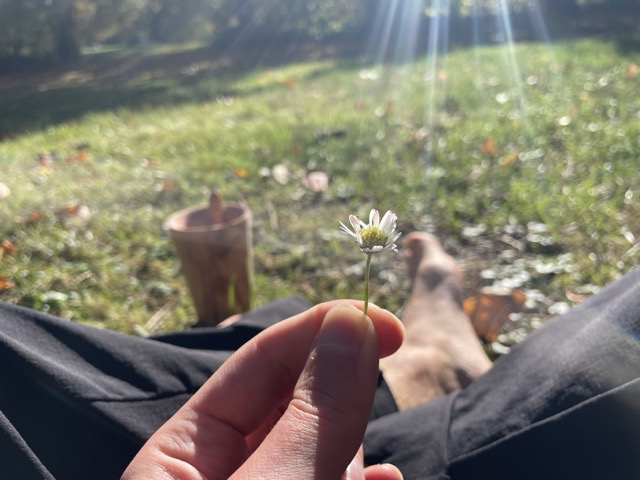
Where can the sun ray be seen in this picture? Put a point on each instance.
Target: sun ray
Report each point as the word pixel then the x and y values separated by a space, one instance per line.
pixel 380 37
pixel 437 45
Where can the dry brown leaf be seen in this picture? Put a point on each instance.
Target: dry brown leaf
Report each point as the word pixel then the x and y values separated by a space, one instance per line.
pixel 164 186
pixel 490 308
pixel 574 297
pixel 240 172
pixel 488 147
pixel 7 247
pixel 508 160
pixel 6 283
pixel 80 156
pixel 73 209
pixel 33 217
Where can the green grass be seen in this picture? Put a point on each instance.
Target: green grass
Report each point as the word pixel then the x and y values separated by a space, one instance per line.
pixel 483 162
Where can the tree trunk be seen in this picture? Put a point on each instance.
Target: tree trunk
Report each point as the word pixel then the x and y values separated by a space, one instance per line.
pixel 67 46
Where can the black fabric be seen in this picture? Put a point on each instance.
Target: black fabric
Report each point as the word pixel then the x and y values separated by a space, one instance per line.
pixel 238 333
pixel 78 402
pixel 413 440
pixel 598 438
pixel 563 404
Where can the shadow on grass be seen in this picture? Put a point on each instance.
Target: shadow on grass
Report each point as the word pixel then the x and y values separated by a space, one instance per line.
pixel 35 98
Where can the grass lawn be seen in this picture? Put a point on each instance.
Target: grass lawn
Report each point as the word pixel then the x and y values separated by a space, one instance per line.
pixel 527 171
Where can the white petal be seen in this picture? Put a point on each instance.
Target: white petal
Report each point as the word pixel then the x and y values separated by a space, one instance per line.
pixel 355 223
pixel 395 238
pixel 374 217
pixel 388 223
pixel 347 231
pixel 376 249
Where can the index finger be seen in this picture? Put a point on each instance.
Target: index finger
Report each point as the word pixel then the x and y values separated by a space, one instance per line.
pixel 255 380
pixel 209 433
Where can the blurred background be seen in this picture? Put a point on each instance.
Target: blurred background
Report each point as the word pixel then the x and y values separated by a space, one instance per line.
pixel 508 128
pixel 62 30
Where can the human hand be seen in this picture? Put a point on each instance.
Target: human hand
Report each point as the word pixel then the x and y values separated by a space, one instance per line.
pixel 292 403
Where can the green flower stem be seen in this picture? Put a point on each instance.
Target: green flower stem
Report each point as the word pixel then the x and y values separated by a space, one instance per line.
pixel 366 283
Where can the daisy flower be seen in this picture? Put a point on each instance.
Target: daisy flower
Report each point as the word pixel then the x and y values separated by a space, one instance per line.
pixel 376 236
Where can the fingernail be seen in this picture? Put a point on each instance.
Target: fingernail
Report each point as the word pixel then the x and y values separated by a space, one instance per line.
pixel 393 468
pixel 373 306
pixel 344 327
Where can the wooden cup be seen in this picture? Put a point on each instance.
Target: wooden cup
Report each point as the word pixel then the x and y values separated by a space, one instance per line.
pixel 214 245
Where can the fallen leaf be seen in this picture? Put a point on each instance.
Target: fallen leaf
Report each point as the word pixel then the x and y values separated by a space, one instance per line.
pixel 80 156
pixel 7 247
pixel 44 160
pixel 33 217
pixel 632 70
pixel 5 191
pixel 240 172
pixel 149 162
pixel 75 210
pixel 508 160
pixel 488 147
pixel 316 181
pixel 575 297
pixel 281 174
pixel 419 134
pixel 70 208
pixel 290 82
pixel 490 308
pixel 6 283
pixel 164 186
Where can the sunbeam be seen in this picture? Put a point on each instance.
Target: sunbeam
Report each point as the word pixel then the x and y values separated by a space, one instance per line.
pixel 512 63
pixel 380 37
pixel 437 45
pixel 537 19
pixel 409 25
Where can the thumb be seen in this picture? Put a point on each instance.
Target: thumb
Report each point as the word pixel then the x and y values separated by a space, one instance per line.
pixel 324 424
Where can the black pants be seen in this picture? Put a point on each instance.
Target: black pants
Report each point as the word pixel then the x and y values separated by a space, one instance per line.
pixel 78 402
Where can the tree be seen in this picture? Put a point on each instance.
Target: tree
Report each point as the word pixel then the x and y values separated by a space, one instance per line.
pixel 59 28
pixel 63 27
pixel 264 20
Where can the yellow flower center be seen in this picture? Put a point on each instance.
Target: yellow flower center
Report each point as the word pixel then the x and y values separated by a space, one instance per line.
pixel 373 236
